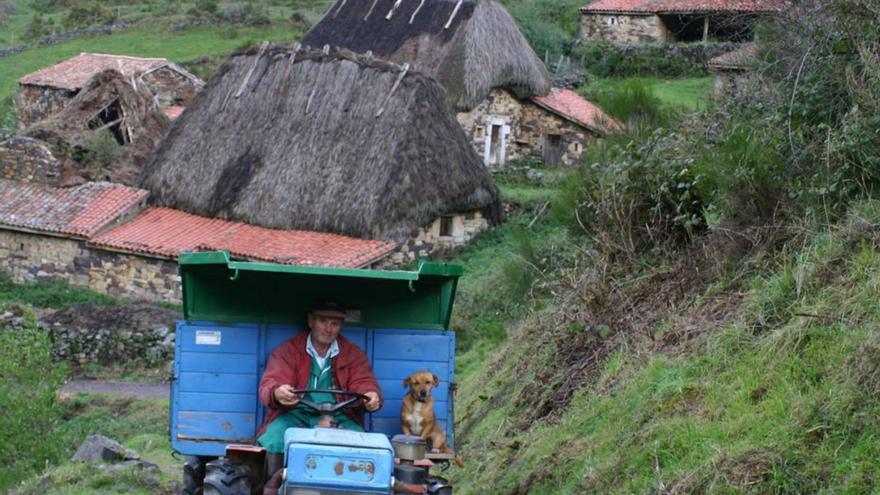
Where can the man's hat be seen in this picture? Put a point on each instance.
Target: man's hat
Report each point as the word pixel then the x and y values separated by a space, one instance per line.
pixel 329 308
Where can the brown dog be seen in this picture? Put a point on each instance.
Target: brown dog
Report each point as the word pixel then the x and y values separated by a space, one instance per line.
pixel 417 413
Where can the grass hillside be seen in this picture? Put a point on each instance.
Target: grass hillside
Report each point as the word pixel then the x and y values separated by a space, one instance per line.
pixel 707 323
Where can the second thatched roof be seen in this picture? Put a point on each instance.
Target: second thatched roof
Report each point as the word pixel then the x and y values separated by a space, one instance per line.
pixel 324 141
pixel 470 46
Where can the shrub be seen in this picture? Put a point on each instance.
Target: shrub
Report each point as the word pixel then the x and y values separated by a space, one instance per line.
pixel 39 27
pixel 100 149
pixel 604 59
pixel 28 400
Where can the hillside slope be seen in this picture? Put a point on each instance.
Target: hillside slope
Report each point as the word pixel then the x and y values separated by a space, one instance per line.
pixel 713 327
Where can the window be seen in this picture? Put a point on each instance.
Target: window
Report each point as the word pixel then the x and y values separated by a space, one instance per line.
pixel 446 225
pixel 479 132
pixel 576 147
pixel 613 21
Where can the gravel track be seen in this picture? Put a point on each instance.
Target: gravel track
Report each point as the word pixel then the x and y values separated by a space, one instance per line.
pixel 142 390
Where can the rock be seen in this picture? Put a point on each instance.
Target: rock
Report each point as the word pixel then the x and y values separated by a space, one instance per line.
pixel 101 448
pixel 535 175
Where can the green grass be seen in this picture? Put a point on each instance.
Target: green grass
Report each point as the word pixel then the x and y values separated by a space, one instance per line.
pixel 688 94
pixel 781 401
pixel 49 294
pixel 140 425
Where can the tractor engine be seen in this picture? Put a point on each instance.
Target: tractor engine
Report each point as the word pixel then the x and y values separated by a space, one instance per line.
pixel 329 461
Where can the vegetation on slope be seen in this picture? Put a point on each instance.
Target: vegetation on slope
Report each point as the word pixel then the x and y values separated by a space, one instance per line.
pixel 720 333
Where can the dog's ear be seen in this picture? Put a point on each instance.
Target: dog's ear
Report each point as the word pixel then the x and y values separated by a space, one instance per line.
pixel 407 382
pixel 436 380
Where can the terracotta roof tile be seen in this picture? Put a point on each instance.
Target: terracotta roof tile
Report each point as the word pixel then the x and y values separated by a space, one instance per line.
pixel 173 111
pixel 73 73
pixel 684 6
pixel 167 232
pixel 574 107
pixel 80 211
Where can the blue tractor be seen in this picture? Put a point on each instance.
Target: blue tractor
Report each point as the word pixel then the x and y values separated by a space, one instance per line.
pixel 236 313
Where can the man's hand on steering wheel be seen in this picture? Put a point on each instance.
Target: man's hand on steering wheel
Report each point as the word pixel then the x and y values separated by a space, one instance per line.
pixel 372 404
pixel 286 395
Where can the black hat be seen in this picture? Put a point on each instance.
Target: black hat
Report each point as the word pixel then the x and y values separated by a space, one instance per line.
pixel 329 307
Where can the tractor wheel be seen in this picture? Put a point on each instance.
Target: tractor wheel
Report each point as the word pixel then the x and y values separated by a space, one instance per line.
pixel 193 475
pixel 225 477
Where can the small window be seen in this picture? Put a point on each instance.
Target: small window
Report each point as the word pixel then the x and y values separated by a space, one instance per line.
pixel 613 21
pixel 576 147
pixel 479 132
pixel 446 225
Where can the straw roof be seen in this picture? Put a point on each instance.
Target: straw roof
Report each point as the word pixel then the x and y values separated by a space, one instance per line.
pixel 324 141
pixel 470 46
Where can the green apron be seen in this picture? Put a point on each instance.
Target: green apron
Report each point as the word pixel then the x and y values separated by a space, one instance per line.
pixel 303 416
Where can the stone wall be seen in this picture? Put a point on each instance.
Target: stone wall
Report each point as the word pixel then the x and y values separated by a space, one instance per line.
pixel 82 334
pixel 29 257
pixel 27 159
pixel 622 28
pixel 35 103
pixel 170 87
pixel 528 129
pixel 443 234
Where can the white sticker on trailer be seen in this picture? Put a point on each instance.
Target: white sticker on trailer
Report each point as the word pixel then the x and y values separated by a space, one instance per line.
pixel 207 337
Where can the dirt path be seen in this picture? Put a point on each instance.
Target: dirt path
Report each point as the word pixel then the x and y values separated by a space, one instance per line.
pixel 142 390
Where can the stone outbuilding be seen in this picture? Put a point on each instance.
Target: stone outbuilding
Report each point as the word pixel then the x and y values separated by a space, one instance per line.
pixel 292 138
pixel 731 67
pixel 673 21
pixel 475 49
pixel 47 91
pixel 102 236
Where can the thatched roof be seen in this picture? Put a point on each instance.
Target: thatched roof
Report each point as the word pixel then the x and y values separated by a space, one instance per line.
pixel 470 46
pixel 109 120
pixel 303 140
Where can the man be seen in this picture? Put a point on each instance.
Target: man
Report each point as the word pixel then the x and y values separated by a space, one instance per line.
pixel 316 358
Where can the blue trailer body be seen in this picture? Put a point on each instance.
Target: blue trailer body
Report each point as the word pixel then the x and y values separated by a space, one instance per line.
pixel 217 369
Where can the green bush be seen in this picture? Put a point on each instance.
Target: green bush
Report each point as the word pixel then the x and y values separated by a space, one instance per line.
pixel 604 59
pixel 48 294
pixel 101 149
pixel 28 401
pixel 548 25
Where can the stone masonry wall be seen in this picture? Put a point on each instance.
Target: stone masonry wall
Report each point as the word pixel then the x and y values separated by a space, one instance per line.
pixel 170 87
pixel 26 159
pixel 35 103
pixel 622 28
pixel 528 125
pixel 428 240
pixel 28 257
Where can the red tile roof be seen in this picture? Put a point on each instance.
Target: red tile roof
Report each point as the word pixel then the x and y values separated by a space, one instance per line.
pixel 572 106
pixel 80 211
pixel 73 73
pixel 173 111
pixel 167 232
pixel 684 6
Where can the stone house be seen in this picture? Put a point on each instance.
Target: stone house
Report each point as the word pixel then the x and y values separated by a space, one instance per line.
pixel 554 128
pixel 673 21
pixel 47 91
pixel 476 51
pixel 730 68
pixel 293 138
pixel 103 237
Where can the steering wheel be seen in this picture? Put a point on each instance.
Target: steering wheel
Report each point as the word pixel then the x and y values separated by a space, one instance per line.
pixel 329 408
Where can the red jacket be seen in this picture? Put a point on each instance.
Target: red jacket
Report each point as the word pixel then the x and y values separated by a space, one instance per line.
pixel 290 363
